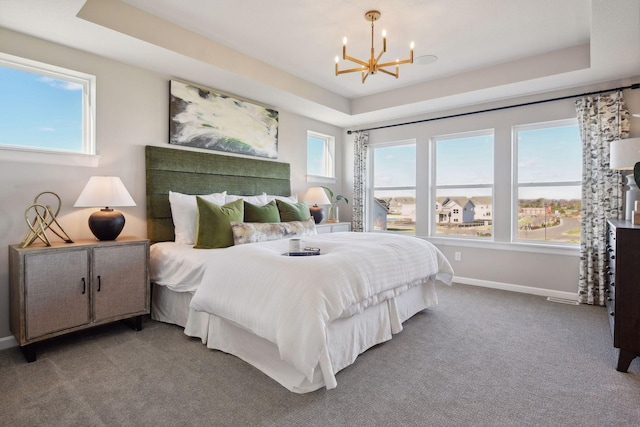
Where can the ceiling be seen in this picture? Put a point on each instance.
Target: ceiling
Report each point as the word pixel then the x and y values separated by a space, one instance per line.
pixel 281 52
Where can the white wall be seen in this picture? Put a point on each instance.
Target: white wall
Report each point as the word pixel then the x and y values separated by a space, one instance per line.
pixel 500 264
pixel 132 111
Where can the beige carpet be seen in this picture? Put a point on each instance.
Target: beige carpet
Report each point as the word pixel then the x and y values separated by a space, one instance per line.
pixel 481 358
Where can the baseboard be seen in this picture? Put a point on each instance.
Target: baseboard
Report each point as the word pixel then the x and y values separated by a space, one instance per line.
pixel 517 288
pixel 8 342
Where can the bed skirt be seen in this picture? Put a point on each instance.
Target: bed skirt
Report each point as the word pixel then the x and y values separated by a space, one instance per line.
pixel 346 337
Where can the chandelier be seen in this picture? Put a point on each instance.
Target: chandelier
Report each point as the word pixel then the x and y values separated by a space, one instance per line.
pixel 372 66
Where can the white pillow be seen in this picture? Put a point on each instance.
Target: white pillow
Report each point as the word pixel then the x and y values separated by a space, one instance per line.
pixel 184 211
pixel 291 199
pixel 258 200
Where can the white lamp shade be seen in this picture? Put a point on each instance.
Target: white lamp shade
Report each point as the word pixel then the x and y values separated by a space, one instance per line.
pixel 104 191
pixel 624 153
pixel 316 196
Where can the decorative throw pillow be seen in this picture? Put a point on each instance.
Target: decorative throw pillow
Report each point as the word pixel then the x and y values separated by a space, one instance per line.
pixel 266 213
pixel 214 223
pixel 289 199
pixel 184 212
pixel 260 199
pixel 293 211
pixel 252 232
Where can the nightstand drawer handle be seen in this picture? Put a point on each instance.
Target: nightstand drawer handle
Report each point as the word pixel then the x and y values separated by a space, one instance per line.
pixel 99 283
pixel 84 286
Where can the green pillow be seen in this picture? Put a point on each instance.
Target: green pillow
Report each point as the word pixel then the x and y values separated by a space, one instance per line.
pixel 266 213
pixel 293 211
pixel 214 223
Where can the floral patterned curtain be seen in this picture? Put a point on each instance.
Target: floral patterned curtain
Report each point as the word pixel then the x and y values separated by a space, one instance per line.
pixel 360 148
pixel 602 119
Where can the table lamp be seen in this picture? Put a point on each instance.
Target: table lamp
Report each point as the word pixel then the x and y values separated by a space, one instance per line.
pixel 316 196
pixel 106 191
pixel 623 155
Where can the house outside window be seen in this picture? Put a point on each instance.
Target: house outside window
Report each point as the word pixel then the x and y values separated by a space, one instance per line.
pixel 320 158
pixel 462 181
pixel 547 172
pixel 47 113
pixel 392 193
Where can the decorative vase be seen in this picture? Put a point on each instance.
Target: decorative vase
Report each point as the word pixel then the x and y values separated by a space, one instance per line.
pixel 334 214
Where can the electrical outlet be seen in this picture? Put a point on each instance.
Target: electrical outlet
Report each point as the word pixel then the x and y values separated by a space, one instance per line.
pixel 458 256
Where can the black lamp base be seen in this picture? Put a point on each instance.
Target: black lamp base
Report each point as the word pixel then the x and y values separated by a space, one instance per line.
pixel 317 213
pixel 106 224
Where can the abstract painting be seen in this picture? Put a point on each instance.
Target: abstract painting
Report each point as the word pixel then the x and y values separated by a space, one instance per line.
pixel 204 118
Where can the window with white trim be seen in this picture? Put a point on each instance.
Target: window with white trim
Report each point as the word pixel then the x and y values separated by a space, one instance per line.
pixel 462 182
pixel 320 158
pixel 547 189
pixel 392 193
pixel 44 109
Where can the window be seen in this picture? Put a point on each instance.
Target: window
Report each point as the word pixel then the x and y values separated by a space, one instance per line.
pixel 393 187
pixel 547 177
pixel 45 109
pixel 462 178
pixel 320 158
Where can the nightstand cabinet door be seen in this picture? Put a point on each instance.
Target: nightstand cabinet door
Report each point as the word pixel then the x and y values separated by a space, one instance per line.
pixel 56 291
pixel 119 281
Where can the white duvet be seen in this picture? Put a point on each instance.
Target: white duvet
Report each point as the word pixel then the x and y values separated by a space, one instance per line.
pixel 291 300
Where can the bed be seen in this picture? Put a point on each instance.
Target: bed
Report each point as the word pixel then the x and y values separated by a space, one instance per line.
pixel 300 320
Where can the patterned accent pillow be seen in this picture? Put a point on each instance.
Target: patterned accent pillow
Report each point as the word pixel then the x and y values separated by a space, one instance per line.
pixel 252 232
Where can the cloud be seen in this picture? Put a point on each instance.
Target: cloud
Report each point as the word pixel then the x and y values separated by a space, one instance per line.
pixel 60 84
pixel 528 162
pixel 47 129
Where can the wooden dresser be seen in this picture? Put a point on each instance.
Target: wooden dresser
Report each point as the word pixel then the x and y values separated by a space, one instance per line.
pixel 71 286
pixel 623 289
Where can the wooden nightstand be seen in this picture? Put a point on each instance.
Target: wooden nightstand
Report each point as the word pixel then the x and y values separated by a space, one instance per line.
pixel 72 286
pixel 332 227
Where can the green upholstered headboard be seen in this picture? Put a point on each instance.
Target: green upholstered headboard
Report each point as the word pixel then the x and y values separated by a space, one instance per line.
pixel 193 172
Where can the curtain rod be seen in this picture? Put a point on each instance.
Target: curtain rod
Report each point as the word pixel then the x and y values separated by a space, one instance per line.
pixel 633 86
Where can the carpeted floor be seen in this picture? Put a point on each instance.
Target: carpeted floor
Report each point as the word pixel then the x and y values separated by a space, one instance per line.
pixel 483 357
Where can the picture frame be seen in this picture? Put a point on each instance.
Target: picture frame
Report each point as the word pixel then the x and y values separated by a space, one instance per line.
pixel 205 118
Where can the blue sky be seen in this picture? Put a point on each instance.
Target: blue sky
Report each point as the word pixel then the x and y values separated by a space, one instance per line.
pixel 43 113
pixel 315 156
pixel 395 166
pixel 544 155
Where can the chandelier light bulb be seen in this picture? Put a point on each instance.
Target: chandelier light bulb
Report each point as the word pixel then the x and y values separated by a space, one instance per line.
pixel 337 59
pixel 344 41
pixel 412 45
pixel 384 33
